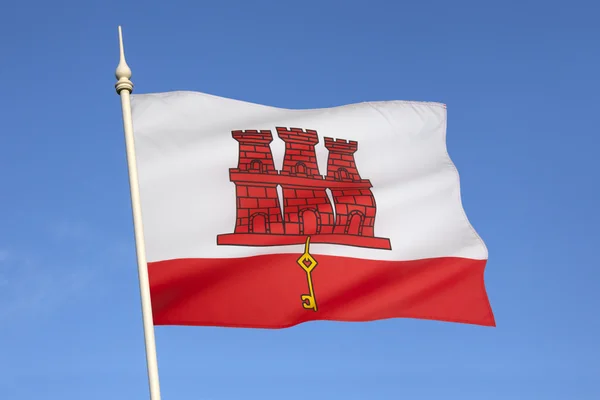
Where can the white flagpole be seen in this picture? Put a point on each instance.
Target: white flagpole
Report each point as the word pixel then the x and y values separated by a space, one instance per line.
pixel 124 88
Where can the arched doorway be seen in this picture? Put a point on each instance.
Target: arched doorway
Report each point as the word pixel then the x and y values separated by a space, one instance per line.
pixel 355 221
pixel 259 223
pixel 309 222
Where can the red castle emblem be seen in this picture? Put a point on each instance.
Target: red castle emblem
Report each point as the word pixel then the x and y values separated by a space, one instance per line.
pixel 307 210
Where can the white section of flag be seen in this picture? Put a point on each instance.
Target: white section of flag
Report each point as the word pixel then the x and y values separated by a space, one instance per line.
pixel 185 149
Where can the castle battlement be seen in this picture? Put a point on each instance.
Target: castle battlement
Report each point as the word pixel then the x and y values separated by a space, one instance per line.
pixel 298 135
pixel 307 209
pixel 341 145
pixel 253 136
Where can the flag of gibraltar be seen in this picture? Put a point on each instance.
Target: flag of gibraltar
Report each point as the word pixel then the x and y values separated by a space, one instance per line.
pixel 264 217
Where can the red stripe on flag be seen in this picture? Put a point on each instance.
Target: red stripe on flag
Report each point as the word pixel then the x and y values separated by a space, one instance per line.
pixel 264 291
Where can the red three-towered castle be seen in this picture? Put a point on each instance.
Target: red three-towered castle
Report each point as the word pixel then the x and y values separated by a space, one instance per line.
pixel 307 210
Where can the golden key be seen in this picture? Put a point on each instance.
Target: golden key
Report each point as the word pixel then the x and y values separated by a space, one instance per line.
pixel 308 263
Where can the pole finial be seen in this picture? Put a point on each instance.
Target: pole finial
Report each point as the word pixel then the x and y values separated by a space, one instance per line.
pixel 123 72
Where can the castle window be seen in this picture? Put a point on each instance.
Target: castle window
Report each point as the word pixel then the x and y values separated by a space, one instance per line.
pixel 301 169
pixel 255 166
pixel 343 174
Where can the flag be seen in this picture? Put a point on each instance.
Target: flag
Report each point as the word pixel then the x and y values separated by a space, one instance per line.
pixel 263 217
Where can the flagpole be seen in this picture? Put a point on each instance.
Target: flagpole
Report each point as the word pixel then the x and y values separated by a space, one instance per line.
pixel 124 87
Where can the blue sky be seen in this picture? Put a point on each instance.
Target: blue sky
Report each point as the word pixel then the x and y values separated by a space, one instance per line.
pixel 521 83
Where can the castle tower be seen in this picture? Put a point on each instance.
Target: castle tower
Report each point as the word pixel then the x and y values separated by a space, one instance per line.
pixel 354 203
pixel 300 159
pixel 255 151
pixel 306 207
pixel 340 163
pixel 257 203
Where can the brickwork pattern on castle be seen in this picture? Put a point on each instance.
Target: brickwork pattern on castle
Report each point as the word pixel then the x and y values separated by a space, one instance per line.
pixel 307 211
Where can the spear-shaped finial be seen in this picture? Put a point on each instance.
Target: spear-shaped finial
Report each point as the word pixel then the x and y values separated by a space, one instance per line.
pixel 123 72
